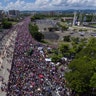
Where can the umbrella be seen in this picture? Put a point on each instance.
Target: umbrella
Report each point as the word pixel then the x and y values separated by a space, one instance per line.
pixel 41 76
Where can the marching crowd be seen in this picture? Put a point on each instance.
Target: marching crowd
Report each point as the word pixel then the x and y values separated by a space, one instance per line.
pixel 31 74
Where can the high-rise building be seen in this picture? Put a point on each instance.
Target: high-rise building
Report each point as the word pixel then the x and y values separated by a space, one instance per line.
pixel 14 13
pixel 1 14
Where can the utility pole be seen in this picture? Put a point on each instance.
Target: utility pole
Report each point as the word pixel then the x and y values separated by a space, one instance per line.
pixel 74 19
pixel 94 17
pixel 80 18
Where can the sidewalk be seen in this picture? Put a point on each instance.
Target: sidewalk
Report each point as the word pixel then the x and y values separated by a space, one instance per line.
pixel 6 57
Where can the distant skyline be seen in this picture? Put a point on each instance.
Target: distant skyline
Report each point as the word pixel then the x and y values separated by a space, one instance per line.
pixel 47 4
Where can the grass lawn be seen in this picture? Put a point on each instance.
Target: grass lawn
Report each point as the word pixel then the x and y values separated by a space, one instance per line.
pixel 94 25
pixel 83 28
pixel 63 23
pixel 13 23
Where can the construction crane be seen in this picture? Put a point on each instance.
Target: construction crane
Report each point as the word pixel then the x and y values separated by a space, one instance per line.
pixel 94 17
pixel 74 19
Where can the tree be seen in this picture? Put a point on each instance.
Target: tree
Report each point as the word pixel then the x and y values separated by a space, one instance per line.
pixel 76 40
pixel 89 18
pixel 93 84
pixel 38 36
pixel 81 72
pixel 93 81
pixel 78 44
pixel 51 29
pixel 75 83
pixel 72 52
pixel 32 18
pixel 56 58
pixel 37 17
pixel 67 38
pixel 64 48
pixel 62 20
pixel 34 32
pixel 65 27
pixel 82 75
pixel 6 24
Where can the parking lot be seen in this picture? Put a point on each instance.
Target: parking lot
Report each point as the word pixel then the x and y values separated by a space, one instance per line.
pixel 46 23
pixel 54 36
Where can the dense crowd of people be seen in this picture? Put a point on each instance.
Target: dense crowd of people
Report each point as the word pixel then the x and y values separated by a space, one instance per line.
pixel 31 74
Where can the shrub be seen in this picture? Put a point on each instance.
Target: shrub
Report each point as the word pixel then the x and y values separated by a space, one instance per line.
pixel 6 24
pixel 67 38
pixel 34 32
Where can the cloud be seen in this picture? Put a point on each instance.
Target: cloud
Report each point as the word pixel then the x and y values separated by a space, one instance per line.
pixel 1 6
pixel 15 5
pixel 6 1
pixel 49 4
pixel 74 3
pixel 42 2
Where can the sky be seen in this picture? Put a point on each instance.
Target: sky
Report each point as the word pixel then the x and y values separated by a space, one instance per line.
pixel 47 4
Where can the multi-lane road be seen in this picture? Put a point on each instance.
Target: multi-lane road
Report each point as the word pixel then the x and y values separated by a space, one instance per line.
pixel 29 75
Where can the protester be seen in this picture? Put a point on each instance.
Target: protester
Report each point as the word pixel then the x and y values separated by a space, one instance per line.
pixel 31 75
